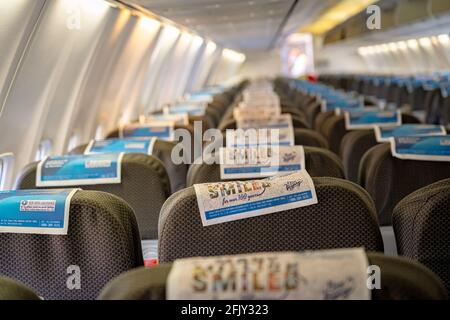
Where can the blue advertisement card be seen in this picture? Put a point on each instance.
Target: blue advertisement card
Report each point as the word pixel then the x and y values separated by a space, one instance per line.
pixel 121 145
pixel 35 211
pixel 407 130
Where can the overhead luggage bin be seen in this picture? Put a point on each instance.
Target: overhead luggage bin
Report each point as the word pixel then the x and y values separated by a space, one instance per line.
pixel 402 279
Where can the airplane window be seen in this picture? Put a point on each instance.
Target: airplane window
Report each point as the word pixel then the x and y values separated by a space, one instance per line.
pixel 6 162
pixel 73 142
pixel 44 149
pixel 99 133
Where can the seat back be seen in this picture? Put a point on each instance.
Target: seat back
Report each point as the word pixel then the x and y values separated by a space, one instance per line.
pixel 312 110
pixel 309 138
pixel 333 129
pixel 319 163
pixel 404 97
pixel 145 186
pixel 321 118
pixel 304 137
pixel 418 96
pixel 214 114
pixel 344 217
pixel 388 179
pixel 102 242
pixel 353 147
pixel 446 111
pixel 13 290
pixel 293 110
pixel 421 223
pixel 190 130
pixel 297 123
pixel 163 151
pixel 204 120
pixel 116 132
pixel 401 279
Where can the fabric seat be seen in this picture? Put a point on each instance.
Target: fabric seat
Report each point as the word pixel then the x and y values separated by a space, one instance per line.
pixel 297 122
pixel 445 120
pixel 333 129
pixel 403 97
pixel 163 151
pixel 353 147
pixel 388 179
pixel 214 114
pixel 421 223
pixel 356 143
pixel 189 128
pixel 344 217
pixel 309 138
pixel 418 97
pixel 145 186
pixel 304 137
pixel 102 242
pixel 205 121
pixel 13 290
pixel 293 110
pixel 312 110
pixel 319 163
pixel 321 118
pixel 401 279
pixel 433 106
pixel 115 133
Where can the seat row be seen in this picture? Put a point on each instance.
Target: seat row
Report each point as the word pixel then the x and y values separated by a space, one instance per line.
pixel 105 231
pixel 400 279
pixel 419 93
pixel 368 162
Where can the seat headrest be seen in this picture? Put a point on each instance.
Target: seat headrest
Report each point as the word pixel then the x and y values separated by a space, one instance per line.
pixel 302 137
pixel 400 279
pixel 321 118
pixel 421 223
pixel 13 290
pixel 319 163
pixel 297 122
pixel 388 179
pixel 102 242
pixel 115 133
pixel 353 147
pixel 309 138
pixel 333 129
pixel 163 151
pixel 312 109
pixel 145 186
pixel 344 217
